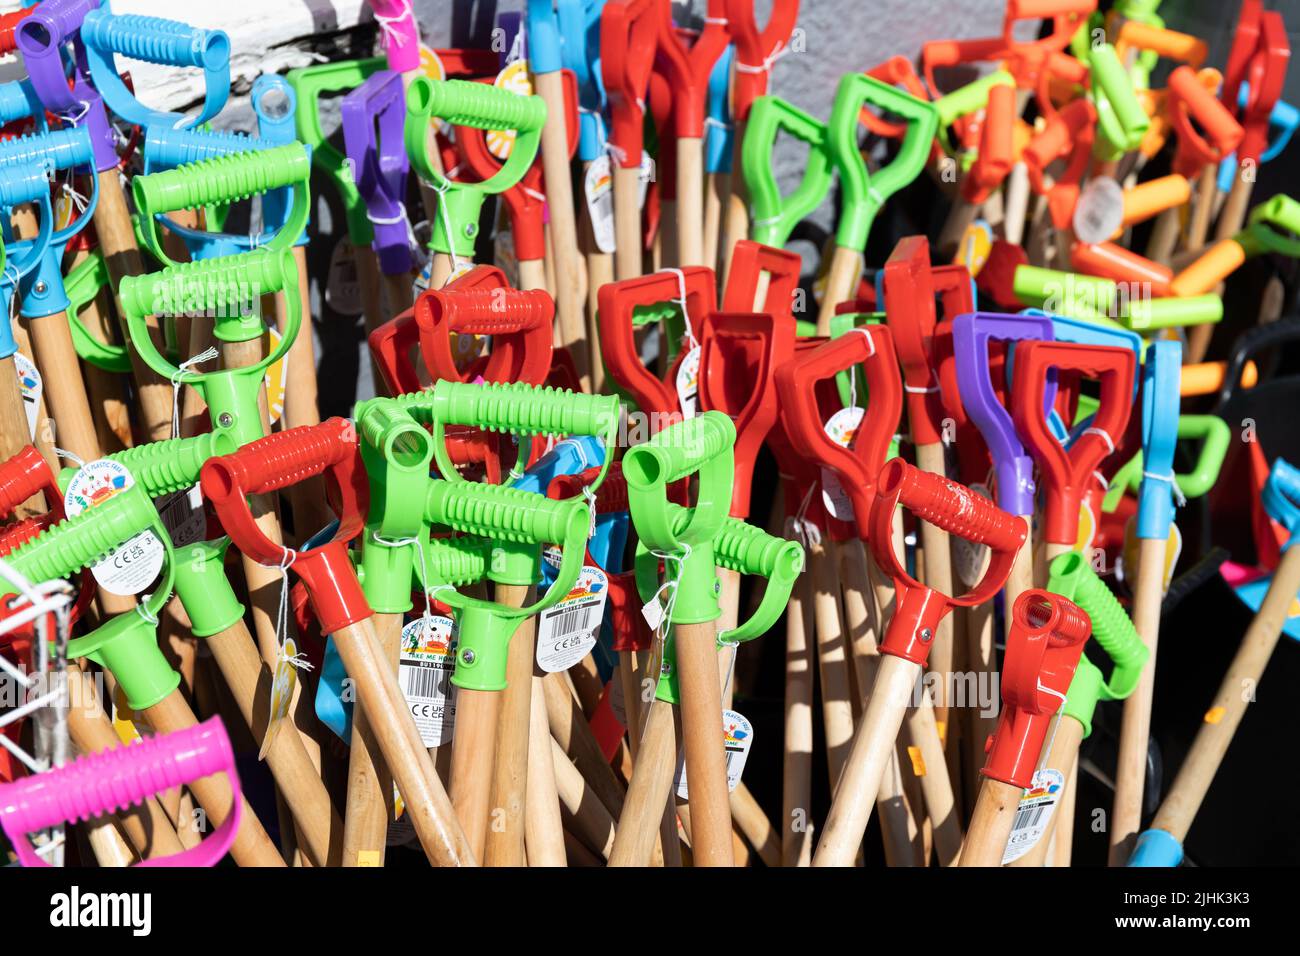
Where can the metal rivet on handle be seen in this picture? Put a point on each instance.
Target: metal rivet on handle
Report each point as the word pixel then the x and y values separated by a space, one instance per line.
pixel 926 635
pixel 225 419
pixel 467 656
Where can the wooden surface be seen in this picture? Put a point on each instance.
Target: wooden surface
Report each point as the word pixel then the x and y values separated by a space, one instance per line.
pixel 252 847
pixel 472 758
pixel 796 770
pixel 1062 752
pixel 573 736
pixel 650 787
pixel 590 820
pixel 543 827
pixel 370 805
pixel 627 222
pixel 249 681
pixel 509 795
pixel 841 283
pixel 1231 700
pixel 65 392
pixel 690 202
pixel 427 805
pixel 995 813
pixel 1135 727
pixel 701 714
pixel 872 744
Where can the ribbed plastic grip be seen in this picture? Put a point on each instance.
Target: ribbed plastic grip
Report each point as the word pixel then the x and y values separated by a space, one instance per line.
pixel 456 561
pixel 117 778
pixel 57 149
pixel 20 184
pixel 15 104
pixel 674 453
pixel 489 311
pixel 518 408
pixel 223 282
pixel 74 543
pixel 21 476
pixel 223 179
pixel 155 40
pixel 280 460
pixel 952 507
pixel 163 467
pixel 503 514
pixel 464 103
pixel 393 432
pixel 167 148
pixel 52 22
pixel 1071 576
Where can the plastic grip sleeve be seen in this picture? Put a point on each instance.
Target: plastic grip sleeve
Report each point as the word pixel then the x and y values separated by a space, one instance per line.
pixel 454 561
pixel 680 451
pixel 20 184
pixel 77 542
pixel 956 509
pixel 169 148
pixel 1110 623
pixel 14 104
pixel 226 281
pixel 503 514
pixel 285 458
pixel 152 39
pixel 163 467
pixel 743 548
pixel 382 425
pixel 21 476
pixel 117 778
pixel 518 407
pixel 60 149
pixel 223 179
pixel 499 311
pixel 463 103
pixel 60 18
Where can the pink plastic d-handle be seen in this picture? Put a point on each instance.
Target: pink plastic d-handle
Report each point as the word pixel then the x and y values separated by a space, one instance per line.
pixel 401 34
pixel 108 781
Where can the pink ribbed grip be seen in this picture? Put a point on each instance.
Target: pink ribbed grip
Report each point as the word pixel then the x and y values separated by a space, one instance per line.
pixel 108 781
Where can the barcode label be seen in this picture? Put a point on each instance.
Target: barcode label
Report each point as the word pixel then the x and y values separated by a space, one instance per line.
pixel 427 662
pixel 1034 813
pixel 567 632
pixel 737 738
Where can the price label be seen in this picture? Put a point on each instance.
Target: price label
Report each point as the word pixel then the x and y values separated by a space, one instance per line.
pixel 133 565
pixel 428 658
pixel 567 632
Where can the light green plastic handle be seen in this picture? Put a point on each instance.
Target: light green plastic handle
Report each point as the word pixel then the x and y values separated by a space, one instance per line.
pixel 775 216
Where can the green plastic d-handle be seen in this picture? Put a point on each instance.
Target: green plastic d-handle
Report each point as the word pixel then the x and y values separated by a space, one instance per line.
pixel 1072 577
pixel 775 217
pixel 222 180
pixel 164 467
pixel 1216 437
pixel 864 195
pixel 462 103
pixel 230 289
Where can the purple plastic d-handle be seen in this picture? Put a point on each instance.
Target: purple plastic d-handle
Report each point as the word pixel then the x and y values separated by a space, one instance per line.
pixel 971 334
pixel 380 163
pixel 41 37
pixel 107 781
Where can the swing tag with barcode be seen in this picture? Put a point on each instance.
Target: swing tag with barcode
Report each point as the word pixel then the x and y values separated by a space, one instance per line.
pixel 1034 813
pixel 737 738
pixel 130 567
pixel 182 515
pixel 567 632
pixel 428 659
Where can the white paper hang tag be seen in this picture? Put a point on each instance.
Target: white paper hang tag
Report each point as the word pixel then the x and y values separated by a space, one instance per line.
pixel 969 559
pixel 1034 813
pixel 342 287
pixel 132 566
pixel 567 632
pixel 653 612
pixel 842 427
pixel 31 386
pixel 737 738
pixel 598 188
pixel 646 177
pixel 1099 213
pixel 182 515
pixel 428 658
pixel 688 383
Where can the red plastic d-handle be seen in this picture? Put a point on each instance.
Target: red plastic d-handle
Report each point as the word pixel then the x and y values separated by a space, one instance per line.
pixel 1044 643
pixel 617 303
pixel 749 260
pixel 755 50
pixel 629 37
pixel 737 364
pixel 520 323
pixel 957 510
pixel 282 460
pixel 23 475
pixel 688 67
pixel 858 466
pixel 1065 475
